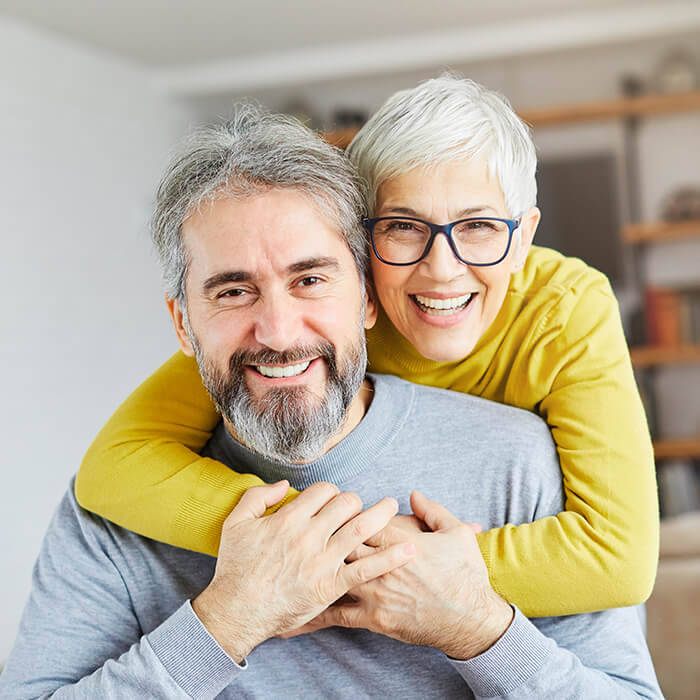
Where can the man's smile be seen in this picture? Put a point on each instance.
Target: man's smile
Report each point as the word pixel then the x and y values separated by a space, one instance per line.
pixel 275 374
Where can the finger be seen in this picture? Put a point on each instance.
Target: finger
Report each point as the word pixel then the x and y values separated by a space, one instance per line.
pixel 309 627
pixel 337 512
pixel 362 526
pixel 434 515
pixel 397 531
pixel 360 551
pixel 375 565
pixel 256 500
pixel 342 615
pixel 311 499
pixel 475 527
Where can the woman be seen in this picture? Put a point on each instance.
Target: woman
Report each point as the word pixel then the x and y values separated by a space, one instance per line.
pixel 466 305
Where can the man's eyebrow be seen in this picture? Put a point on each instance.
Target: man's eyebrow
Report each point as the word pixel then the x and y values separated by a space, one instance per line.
pixel 465 213
pixel 313 264
pixel 226 277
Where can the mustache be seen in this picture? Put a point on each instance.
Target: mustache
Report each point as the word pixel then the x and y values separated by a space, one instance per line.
pixel 241 358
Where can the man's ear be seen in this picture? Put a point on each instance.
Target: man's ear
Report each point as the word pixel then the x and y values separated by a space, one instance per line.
pixel 180 330
pixel 528 225
pixel 370 305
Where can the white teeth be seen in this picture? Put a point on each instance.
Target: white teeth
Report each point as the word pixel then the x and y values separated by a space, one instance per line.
pixel 443 307
pixel 289 371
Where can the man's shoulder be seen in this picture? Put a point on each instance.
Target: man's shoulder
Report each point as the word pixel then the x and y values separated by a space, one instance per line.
pixel 456 407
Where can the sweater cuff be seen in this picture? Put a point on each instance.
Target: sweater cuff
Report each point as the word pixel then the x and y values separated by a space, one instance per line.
pixel 192 656
pixel 517 656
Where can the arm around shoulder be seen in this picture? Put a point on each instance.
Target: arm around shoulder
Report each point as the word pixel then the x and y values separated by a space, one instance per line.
pixel 143 471
pixel 602 550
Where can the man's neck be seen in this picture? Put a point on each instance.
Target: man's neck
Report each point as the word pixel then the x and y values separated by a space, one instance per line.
pixel 355 413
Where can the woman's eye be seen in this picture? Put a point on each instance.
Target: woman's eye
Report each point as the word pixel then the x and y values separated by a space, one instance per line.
pixel 401 225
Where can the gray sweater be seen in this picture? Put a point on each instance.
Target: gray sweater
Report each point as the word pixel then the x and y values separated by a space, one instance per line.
pixel 109 613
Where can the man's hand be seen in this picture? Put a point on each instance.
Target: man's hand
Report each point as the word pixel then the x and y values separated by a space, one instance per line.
pixel 442 598
pixel 276 573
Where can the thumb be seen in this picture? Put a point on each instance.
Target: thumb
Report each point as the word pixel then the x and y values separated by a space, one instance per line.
pixel 435 516
pixel 256 500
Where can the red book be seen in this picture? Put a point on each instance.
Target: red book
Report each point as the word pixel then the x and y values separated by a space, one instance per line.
pixel 662 308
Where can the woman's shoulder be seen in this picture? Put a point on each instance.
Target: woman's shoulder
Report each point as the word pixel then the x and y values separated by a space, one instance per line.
pixel 553 291
pixel 547 272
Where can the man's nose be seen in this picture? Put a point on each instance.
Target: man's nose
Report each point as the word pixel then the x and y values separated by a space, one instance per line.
pixel 441 264
pixel 278 323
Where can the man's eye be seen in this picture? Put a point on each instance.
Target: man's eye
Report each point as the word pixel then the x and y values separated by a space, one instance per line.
pixel 310 281
pixel 231 293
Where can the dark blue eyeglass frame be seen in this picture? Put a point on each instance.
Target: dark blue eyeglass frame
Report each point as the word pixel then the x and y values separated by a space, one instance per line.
pixel 435 229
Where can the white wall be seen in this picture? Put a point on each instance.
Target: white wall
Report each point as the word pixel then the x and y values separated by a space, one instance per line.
pixel 83 139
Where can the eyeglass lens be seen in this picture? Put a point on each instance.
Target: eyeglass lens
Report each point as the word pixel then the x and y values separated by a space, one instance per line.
pixel 476 240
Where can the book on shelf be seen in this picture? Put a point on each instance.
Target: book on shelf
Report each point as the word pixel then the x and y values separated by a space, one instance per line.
pixel 672 316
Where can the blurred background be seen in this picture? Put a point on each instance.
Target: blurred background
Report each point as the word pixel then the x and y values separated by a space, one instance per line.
pixel 93 95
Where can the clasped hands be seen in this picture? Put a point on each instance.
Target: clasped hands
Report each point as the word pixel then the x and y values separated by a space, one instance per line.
pixel 322 560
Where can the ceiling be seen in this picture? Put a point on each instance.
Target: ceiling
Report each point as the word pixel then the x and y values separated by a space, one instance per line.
pixel 221 44
pixel 178 33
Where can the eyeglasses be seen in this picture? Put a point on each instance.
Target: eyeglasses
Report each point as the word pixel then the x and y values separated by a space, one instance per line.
pixel 403 240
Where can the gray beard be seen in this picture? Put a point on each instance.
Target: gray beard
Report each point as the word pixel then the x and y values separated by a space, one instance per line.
pixel 286 425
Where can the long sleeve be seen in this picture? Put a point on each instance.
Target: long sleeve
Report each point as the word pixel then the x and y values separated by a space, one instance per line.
pixel 143 471
pixel 525 664
pixel 602 550
pixel 80 638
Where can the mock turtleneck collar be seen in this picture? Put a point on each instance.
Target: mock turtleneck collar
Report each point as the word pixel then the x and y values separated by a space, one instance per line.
pixel 392 401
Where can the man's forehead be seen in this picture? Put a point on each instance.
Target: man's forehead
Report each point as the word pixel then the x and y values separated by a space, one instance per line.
pixel 278 232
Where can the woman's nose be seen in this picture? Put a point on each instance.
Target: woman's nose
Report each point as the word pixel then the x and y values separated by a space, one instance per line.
pixel 441 264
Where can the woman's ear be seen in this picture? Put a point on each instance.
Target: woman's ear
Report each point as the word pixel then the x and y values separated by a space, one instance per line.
pixel 528 226
pixel 183 336
pixel 370 305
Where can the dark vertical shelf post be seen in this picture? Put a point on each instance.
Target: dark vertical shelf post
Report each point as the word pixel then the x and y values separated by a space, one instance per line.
pixel 631 88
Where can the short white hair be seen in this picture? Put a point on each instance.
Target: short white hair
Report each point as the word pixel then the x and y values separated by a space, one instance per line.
pixel 445 119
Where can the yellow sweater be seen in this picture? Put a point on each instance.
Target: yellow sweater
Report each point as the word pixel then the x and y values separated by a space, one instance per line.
pixel 556 348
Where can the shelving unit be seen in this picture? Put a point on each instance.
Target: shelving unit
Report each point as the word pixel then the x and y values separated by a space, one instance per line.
pixel 653 356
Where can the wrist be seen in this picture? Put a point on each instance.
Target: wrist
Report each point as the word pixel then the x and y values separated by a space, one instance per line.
pixel 482 635
pixel 223 624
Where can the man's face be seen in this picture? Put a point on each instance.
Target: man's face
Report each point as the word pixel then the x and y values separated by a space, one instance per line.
pixel 276 311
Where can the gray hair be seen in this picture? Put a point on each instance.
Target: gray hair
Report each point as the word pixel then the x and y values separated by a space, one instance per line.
pixel 444 119
pixel 254 152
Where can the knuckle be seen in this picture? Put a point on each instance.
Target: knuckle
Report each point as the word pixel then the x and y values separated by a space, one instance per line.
pixel 358 531
pixel 349 501
pixel 325 488
pixel 380 619
pixel 360 573
pixel 343 617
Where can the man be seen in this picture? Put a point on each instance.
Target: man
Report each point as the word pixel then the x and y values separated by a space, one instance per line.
pixel 257 228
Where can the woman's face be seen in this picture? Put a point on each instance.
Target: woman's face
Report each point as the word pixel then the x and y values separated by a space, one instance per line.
pixel 446 193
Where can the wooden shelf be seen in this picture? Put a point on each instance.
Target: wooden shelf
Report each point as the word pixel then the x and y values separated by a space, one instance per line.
pixel 659 355
pixel 677 448
pixel 560 115
pixel 615 108
pixel 660 231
